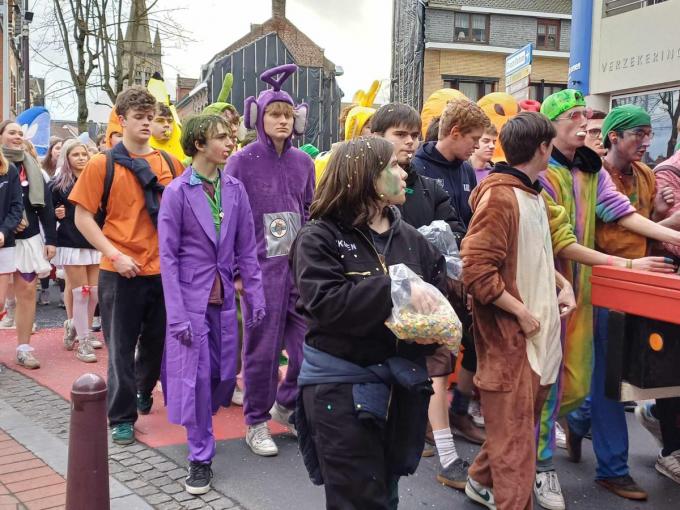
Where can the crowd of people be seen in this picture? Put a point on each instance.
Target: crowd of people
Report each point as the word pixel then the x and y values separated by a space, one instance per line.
pixel 210 258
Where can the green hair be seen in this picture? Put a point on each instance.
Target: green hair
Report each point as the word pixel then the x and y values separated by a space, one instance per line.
pixel 200 128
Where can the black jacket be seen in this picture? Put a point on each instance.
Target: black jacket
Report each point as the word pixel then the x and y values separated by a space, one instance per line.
pixel 428 202
pixel 457 176
pixel 68 236
pixel 345 292
pixel 37 216
pixel 11 204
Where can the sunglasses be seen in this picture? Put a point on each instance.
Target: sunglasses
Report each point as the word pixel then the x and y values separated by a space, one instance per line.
pixel 577 115
pixel 594 132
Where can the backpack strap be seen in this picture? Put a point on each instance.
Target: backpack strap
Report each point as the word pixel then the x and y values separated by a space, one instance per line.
pixel 108 182
pixel 170 162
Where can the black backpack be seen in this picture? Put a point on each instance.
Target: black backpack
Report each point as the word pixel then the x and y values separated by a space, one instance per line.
pixel 100 216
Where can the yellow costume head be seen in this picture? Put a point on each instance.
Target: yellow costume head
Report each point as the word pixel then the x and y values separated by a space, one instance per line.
pixel 500 108
pixel 113 127
pixel 435 104
pixel 172 146
pixel 362 112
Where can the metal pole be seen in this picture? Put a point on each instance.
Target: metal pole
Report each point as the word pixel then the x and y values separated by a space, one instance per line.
pixel 5 59
pixel 25 57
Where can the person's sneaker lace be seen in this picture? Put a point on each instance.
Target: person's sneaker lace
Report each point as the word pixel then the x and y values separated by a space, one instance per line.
pixel 669 466
pixel 85 351
pixel 454 475
pixel 123 433
pixel 69 334
pixel 548 491
pixel 260 441
pixel 480 494
pixel 198 480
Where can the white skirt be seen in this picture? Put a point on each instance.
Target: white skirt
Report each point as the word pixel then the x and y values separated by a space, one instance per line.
pixel 76 257
pixel 30 257
pixel 7 262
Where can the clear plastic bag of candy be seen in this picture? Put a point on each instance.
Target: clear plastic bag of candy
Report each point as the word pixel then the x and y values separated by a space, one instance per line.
pixel 439 234
pixel 419 310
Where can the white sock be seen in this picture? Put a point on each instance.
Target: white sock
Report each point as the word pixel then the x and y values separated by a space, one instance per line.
pixel 446 448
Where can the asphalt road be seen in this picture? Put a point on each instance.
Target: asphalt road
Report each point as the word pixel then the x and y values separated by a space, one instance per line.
pixel 281 482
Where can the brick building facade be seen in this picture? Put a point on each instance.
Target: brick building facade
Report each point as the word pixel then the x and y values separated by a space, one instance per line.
pixel 276 41
pixel 466 43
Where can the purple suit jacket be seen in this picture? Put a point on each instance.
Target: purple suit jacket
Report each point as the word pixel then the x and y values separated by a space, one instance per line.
pixel 191 254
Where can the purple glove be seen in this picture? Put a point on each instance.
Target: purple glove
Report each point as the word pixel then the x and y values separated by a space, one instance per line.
pixel 256 318
pixel 182 332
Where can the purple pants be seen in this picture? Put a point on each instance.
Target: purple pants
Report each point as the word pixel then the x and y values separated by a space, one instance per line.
pixel 282 328
pixel 211 392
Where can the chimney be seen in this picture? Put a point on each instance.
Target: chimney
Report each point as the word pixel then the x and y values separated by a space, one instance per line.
pixel 278 8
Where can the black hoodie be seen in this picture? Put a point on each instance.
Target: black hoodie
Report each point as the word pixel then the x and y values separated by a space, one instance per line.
pixel 428 201
pixel 345 290
pixel 457 177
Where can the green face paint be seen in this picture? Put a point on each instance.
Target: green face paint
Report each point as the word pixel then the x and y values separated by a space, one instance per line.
pixel 389 181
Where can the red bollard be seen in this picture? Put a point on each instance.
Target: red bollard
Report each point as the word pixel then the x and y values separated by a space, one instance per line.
pixel 87 482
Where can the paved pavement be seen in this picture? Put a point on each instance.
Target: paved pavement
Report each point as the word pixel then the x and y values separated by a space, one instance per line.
pixel 34 414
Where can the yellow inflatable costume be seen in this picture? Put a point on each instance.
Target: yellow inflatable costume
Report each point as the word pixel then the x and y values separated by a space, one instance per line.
pixel 435 104
pixel 356 120
pixel 173 146
pixel 500 108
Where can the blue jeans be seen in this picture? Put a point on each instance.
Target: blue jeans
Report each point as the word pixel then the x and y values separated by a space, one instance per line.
pixel 605 417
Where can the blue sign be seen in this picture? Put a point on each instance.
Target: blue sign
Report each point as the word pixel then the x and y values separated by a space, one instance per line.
pixel 521 58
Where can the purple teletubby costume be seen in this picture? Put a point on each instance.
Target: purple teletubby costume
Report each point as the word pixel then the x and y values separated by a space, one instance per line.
pixel 201 345
pixel 280 189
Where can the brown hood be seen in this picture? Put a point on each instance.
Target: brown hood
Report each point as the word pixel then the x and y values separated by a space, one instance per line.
pixel 497 178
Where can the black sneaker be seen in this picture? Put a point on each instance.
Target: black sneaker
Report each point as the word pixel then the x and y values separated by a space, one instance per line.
pixel 454 475
pixel 199 478
pixel 144 403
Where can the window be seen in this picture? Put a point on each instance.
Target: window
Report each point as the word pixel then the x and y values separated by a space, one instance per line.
pixel 548 34
pixel 540 90
pixel 471 28
pixel 613 7
pixel 473 87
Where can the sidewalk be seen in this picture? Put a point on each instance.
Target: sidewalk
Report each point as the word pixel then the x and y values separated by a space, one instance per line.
pixel 34 423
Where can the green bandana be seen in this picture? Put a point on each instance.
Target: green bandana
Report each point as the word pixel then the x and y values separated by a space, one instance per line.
pixel 559 102
pixel 625 117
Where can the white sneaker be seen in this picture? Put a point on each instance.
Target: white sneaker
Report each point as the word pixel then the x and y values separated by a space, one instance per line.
pixel 560 436
pixel 259 438
pixel 548 491
pixel 237 397
pixel 281 416
pixel 69 334
pixel 644 416
pixel 94 341
pixel 475 410
pixel 7 322
pixel 669 466
pixel 480 494
pixel 85 351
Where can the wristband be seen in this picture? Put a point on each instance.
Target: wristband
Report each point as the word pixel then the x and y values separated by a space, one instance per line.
pixel 629 264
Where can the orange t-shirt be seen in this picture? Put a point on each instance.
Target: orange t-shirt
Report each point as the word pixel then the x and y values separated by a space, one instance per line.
pixel 128 225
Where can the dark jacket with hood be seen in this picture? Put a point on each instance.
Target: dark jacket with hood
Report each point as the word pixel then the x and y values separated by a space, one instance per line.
pixel 345 298
pixel 11 204
pixel 457 177
pixel 345 289
pixel 428 201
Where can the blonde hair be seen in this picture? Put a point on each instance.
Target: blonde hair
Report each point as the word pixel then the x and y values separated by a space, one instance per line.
pixel 278 108
pixel 464 114
pixel 4 164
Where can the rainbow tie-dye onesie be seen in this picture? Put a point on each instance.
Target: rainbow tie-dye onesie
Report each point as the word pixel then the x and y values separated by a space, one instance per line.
pixel 586 194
